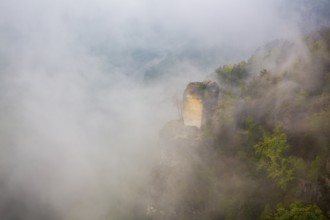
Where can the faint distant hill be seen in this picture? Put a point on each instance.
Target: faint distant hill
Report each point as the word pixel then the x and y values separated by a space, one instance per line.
pixel 202 59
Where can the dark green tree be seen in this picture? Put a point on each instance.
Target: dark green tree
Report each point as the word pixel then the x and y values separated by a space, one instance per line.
pixel 271 154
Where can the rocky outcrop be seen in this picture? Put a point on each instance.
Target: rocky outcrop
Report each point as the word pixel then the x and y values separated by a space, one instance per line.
pixel 199 103
pixel 180 151
pixel 200 100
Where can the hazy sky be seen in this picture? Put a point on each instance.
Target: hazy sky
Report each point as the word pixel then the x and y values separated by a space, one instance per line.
pixel 112 30
pixel 128 35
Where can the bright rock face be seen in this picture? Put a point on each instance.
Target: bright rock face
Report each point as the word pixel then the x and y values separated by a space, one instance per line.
pixel 199 103
pixel 193 110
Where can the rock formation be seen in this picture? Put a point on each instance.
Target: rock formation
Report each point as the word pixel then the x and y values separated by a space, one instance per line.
pixel 199 103
pixel 200 100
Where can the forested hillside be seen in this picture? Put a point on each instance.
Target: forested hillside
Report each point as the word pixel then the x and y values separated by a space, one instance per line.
pixel 275 118
pixel 266 155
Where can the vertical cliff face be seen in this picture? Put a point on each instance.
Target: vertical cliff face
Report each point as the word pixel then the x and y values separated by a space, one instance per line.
pixel 192 109
pixel 199 103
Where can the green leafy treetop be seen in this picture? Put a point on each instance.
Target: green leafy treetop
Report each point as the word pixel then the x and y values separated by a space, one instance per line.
pixel 297 211
pixel 271 150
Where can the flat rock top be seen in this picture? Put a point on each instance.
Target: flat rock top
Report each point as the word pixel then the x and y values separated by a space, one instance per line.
pixel 199 88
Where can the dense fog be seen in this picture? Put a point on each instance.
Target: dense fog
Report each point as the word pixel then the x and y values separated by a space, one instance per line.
pixel 85 87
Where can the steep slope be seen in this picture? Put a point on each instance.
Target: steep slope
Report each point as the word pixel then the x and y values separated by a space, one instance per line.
pixel 266 155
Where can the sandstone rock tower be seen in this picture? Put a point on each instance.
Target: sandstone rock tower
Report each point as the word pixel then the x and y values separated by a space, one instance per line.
pixel 199 103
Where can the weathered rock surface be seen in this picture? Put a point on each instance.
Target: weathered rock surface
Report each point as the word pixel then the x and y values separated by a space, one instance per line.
pixel 181 150
pixel 199 103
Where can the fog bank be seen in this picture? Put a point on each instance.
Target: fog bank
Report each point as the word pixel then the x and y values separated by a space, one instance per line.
pixel 85 87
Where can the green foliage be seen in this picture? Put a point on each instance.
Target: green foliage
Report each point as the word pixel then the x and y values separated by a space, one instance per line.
pixel 232 73
pixel 296 211
pixel 267 213
pixel 271 151
pixel 227 69
pixel 253 131
pixel 295 95
pixel 292 156
pixel 226 109
pixel 321 120
pixel 315 168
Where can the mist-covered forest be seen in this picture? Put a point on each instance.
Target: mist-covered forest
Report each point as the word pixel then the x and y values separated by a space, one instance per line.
pixel 92 100
pixel 266 154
